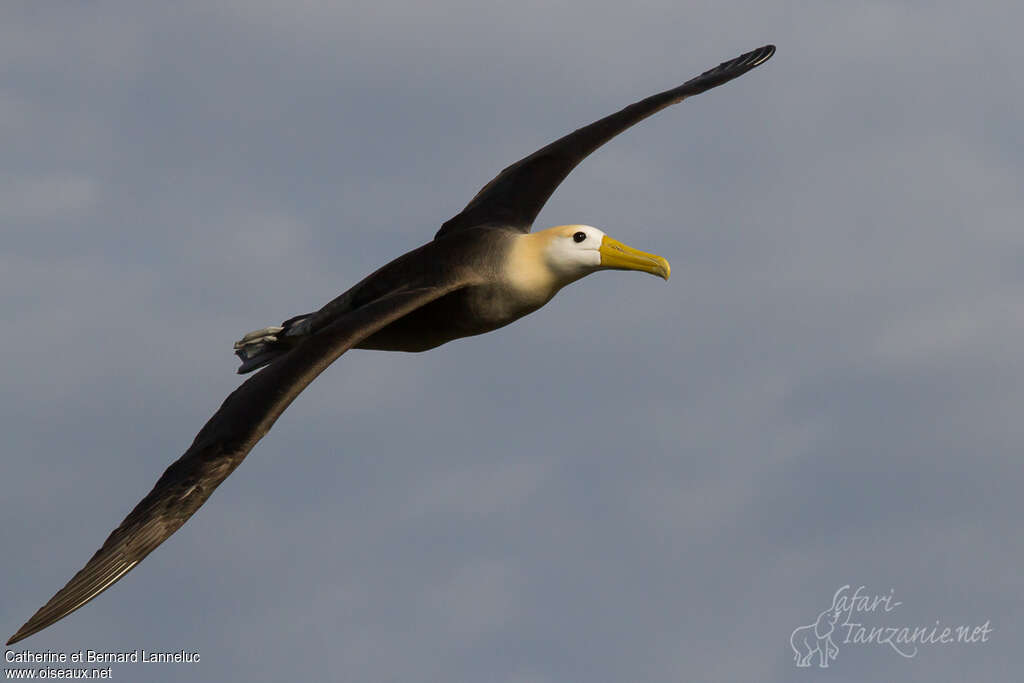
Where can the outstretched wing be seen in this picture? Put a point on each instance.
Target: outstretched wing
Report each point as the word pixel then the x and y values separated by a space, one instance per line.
pixel 517 194
pixel 245 416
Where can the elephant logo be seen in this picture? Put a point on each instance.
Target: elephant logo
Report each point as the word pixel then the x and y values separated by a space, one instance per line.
pixel 816 638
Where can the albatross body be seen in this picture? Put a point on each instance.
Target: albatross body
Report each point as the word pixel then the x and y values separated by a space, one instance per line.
pixel 497 276
pixel 484 269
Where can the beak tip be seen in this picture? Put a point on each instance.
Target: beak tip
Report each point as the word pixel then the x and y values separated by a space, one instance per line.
pixel 666 271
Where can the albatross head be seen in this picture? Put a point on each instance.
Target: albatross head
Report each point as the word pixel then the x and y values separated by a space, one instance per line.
pixel 541 263
pixel 572 251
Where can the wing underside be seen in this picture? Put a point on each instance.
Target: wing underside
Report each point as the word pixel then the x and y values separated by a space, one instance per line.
pixel 221 445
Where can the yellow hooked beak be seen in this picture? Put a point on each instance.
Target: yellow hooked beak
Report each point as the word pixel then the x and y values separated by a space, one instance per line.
pixel 615 254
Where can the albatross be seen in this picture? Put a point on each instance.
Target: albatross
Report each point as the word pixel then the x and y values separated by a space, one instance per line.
pixel 483 270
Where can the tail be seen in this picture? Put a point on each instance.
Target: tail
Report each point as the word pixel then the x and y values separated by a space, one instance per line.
pixel 261 347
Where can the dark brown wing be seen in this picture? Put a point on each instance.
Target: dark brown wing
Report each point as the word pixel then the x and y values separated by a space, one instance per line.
pixel 245 416
pixel 517 194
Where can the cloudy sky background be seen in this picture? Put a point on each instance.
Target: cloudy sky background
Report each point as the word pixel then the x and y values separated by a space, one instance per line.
pixel 642 481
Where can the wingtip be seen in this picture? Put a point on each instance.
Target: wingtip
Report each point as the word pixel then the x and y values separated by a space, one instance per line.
pixel 730 69
pixel 27 629
pixel 755 57
pixel 765 53
pixel 20 635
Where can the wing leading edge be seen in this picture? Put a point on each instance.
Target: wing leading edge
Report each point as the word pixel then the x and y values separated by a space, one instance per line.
pixel 517 194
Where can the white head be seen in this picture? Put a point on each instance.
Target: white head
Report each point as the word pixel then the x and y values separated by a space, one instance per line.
pixel 541 263
pixel 572 251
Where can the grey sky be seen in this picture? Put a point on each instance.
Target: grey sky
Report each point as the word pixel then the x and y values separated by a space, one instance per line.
pixel 642 481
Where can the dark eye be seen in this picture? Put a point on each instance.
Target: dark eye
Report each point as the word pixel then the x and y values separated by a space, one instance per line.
pixel 579 237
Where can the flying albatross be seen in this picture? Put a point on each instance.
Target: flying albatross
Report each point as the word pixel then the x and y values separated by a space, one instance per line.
pixel 483 270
